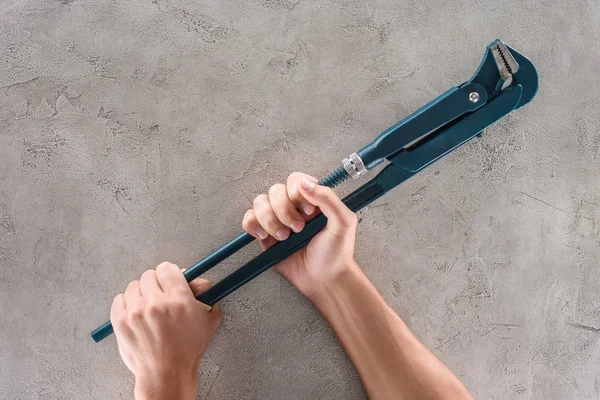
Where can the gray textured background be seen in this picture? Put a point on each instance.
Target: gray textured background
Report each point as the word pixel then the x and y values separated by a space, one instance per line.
pixel 136 131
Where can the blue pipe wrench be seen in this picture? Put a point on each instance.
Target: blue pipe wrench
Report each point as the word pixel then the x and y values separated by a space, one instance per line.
pixel 505 81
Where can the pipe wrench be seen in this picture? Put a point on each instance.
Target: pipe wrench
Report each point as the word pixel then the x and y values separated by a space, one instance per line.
pixel 505 81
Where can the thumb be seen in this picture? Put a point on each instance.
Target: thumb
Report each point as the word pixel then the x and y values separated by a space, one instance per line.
pixel 339 217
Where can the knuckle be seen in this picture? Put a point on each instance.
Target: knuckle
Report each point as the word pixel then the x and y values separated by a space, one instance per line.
pixel 271 222
pixel 165 265
pixel 292 185
pixel 178 306
pixel 119 320
pixel 246 220
pixel 286 215
pixel 155 308
pixel 132 284
pixel 265 216
pixel 260 200
pixel 248 215
pixel 294 176
pixel 117 300
pixel 149 273
pixel 276 189
pixel 293 192
pixel 294 195
pixel 136 313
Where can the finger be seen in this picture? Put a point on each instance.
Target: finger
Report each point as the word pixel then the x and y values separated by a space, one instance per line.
pixel 133 299
pixel 118 307
pixel 340 219
pixel 268 220
pixel 294 183
pixel 118 316
pixel 149 285
pixel 200 286
pixel 132 295
pixel 171 279
pixel 268 242
pixel 284 209
pixel 251 225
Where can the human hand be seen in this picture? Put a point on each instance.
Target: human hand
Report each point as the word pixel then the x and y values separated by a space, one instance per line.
pixel 163 331
pixel 287 208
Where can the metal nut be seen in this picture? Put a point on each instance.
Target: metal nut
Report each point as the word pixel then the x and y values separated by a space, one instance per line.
pixel 354 165
pixel 473 97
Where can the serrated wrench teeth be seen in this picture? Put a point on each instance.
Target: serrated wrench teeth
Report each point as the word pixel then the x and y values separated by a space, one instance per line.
pixel 507 66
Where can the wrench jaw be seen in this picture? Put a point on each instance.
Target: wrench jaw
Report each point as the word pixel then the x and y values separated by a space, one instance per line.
pixel 507 80
pixel 505 62
pixel 526 76
pixel 503 67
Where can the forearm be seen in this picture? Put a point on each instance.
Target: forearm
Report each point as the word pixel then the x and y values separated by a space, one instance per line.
pixel 390 360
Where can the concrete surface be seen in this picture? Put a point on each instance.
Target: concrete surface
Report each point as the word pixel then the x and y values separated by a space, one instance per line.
pixel 136 131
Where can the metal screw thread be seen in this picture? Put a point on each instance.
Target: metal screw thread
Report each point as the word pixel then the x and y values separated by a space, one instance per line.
pixel 335 178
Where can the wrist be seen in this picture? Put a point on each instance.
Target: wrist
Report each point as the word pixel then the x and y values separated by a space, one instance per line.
pixel 336 283
pixel 167 385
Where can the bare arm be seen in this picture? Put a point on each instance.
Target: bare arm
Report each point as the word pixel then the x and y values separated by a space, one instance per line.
pixel 391 361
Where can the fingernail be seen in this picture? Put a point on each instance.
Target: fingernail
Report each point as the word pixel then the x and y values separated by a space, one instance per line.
pixel 308 185
pixel 307 209
pixel 297 226
pixel 261 233
pixel 282 234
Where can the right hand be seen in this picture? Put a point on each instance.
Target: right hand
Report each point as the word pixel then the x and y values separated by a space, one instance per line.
pixel 286 208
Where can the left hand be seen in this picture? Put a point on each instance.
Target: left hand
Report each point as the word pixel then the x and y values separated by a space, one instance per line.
pixel 163 331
